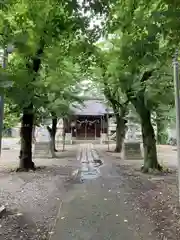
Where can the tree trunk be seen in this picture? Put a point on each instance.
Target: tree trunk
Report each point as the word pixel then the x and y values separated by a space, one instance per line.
pixel 52 133
pixel 161 135
pixel 120 132
pixel 64 141
pixel 27 121
pixel 25 157
pixel 52 144
pixel 149 141
pixel 33 134
pixel 64 135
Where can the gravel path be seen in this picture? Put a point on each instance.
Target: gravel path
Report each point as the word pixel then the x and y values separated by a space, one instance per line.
pixel 33 199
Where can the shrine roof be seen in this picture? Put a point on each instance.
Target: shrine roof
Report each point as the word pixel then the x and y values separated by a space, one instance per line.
pixel 91 107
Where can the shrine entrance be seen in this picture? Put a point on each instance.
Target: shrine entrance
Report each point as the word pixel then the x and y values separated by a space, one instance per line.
pixel 87 127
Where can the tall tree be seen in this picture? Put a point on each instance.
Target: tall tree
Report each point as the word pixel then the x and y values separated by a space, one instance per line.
pixel 135 65
pixel 100 69
pixel 34 28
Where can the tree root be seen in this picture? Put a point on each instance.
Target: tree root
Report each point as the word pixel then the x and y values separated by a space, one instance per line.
pixel 118 150
pixel 26 167
pixel 146 169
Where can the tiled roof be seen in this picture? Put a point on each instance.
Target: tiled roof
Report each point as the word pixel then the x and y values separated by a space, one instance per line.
pixel 91 107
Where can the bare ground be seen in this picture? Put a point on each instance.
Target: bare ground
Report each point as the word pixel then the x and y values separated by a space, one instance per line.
pixel 156 196
pixel 32 199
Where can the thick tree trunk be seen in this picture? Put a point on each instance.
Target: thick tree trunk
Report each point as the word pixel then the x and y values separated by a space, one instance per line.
pixel 120 132
pixel 149 142
pixel 52 133
pixel 64 135
pixel 52 142
pixel 25 157
pixel 27 121
pixel 64 141
pixel 161 135
pixel 33 134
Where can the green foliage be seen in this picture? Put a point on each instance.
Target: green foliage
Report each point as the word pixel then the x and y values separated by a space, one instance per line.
pixel 139 54
pixel 55 46
pixel 11 115
pixel 51 49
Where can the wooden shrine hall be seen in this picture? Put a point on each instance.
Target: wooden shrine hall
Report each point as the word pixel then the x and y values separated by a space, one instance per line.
pixel 89 120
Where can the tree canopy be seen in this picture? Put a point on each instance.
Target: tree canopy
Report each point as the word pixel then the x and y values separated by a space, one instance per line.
pixel 125 47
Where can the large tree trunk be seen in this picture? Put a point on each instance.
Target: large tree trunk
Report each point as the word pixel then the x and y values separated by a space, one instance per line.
pixel 64 135
pixel 52 133
pixel 26 162
pixel 27 121
pixel 120 132
pixel 52 142
pixel 149 141
pixel 33 134
pixel 161 135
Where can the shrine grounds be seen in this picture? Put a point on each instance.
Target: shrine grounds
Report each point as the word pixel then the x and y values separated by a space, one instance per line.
pixel 56 203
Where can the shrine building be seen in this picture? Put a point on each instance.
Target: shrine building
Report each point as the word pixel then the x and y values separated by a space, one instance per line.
pixel 89 121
